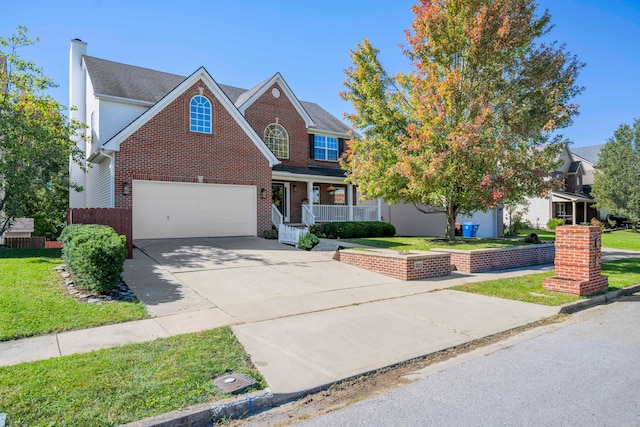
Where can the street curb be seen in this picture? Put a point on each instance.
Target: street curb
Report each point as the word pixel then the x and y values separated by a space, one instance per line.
pixel 207 414
pixel 574 307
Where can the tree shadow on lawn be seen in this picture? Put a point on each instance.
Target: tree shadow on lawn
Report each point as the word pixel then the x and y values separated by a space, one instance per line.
pixel 30 253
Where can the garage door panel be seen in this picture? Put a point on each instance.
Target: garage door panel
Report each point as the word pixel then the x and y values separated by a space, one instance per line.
pixel 174 209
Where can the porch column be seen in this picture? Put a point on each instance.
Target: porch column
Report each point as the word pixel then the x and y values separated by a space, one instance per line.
pixel 379 206
pixel 350 200
pixel 585 211
pixel 573 212
pixel 310 194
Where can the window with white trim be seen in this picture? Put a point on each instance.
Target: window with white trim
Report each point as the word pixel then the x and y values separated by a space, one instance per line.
pixel 200 114
pixel 325 148
pixel 277 139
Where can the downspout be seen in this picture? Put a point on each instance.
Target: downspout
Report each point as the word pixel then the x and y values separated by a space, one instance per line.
pixel 112 173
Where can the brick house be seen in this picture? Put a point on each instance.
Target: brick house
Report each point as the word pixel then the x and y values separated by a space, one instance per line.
pixel 194 158
pixel 572 202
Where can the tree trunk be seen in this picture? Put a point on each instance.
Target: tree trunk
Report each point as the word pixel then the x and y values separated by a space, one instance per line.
pixel 452 212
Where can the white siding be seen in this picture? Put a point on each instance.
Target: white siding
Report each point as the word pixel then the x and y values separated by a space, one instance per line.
pixel 538 214
pixel 99 185
pixel 408 221
pixel 487 221
pixel 115 116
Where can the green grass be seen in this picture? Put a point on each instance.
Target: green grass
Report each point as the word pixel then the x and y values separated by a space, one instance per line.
pixel 427 243
pixel 622 273
pixel 621 239
pixel 33 302
pixel 119 385
pixel 544 235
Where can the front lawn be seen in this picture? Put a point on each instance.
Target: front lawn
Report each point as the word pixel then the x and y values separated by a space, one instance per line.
pixel 621 239
pixel 544 235
pixel 427 243
pixel 123 384
pixel 622 273
pixel 33 301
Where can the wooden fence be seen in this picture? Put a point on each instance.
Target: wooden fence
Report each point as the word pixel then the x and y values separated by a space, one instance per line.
pixel 25 242
pixel 117 218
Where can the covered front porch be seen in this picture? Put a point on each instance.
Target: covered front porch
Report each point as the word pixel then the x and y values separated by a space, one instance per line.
pixel 573 208
pixel 307 199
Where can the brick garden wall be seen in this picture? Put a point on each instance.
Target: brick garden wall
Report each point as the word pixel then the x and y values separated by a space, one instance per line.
pixel 500 258
pixel 403 267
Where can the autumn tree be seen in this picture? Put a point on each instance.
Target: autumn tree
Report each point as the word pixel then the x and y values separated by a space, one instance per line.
pixel 475 122
pixel 35 142
pixel 617 182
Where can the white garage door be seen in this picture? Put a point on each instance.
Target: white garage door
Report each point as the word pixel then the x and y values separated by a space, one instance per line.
pixel 177 209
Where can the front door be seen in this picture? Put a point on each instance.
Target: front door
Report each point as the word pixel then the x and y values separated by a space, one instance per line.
pixel 280 198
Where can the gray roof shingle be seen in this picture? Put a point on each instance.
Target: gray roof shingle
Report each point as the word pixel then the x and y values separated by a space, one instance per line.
pixel 137 83
pixel 590 153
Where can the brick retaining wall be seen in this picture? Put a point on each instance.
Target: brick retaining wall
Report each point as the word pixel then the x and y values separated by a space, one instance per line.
pixel 479 260
pixel 418 265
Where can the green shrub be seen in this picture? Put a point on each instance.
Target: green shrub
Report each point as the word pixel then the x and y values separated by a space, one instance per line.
pixel 270 234
pixel 357 229
pixel 95 254
pixel 317 230
pixel 554 222
pixel 308 241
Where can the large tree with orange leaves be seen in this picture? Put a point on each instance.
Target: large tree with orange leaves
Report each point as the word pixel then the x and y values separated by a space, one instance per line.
pixel 475 122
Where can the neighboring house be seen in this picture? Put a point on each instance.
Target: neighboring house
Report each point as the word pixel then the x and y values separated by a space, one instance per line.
pixel 572 202
pixel 20 227
pixel 193 158
pixel 409 221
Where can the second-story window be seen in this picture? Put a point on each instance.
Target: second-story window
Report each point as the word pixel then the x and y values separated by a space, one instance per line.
pixel 277 139
pixel 200 114
pixel 325 148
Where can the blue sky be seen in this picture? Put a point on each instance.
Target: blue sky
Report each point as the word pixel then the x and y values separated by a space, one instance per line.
pixel 242 42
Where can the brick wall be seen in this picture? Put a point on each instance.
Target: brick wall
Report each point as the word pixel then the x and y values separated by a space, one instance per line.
pixel 500 258
pixel 266 109
pixel 164 149
pixel 578 261
pixel 403 267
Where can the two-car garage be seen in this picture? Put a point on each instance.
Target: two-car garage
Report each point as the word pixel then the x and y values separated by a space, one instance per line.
pixel 180 209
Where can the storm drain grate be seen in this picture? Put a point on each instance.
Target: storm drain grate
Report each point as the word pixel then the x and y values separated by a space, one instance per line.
pixel 233 383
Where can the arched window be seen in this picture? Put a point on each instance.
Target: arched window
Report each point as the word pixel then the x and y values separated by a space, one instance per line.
pixel 200 113
pixel 277 139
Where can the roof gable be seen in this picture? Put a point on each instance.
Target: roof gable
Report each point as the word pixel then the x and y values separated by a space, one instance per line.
pixel 123 81
pixel 113 144
pixel 250 96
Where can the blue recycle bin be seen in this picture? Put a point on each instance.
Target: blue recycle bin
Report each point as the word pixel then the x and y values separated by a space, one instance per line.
pixel 469 229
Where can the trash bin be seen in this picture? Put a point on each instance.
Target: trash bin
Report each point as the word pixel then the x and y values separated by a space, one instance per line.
pixel 467 229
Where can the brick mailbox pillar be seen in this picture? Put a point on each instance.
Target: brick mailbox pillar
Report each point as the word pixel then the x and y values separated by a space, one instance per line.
pixel 578 261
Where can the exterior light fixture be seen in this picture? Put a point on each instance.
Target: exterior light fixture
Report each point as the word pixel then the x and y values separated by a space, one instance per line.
pixel 331 189
pixel 295 188
pixel 263 193
pixel 125 188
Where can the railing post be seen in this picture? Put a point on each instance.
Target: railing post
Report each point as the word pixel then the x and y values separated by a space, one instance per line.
pixel 350 201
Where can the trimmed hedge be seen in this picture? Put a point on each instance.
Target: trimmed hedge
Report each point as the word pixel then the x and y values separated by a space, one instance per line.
pixel 95 254
pixel 348 230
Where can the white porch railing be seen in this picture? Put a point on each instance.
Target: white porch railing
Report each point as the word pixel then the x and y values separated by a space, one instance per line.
pixel 290 235
pixel 365 213
pixel 336 213
pixel 276 216
pixel 308 218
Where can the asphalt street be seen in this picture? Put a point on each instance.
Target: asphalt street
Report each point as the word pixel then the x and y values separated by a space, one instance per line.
pixel 582 372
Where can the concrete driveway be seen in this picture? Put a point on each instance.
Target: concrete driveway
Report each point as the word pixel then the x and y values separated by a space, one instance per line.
pixel 305 319
pixel 251 279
